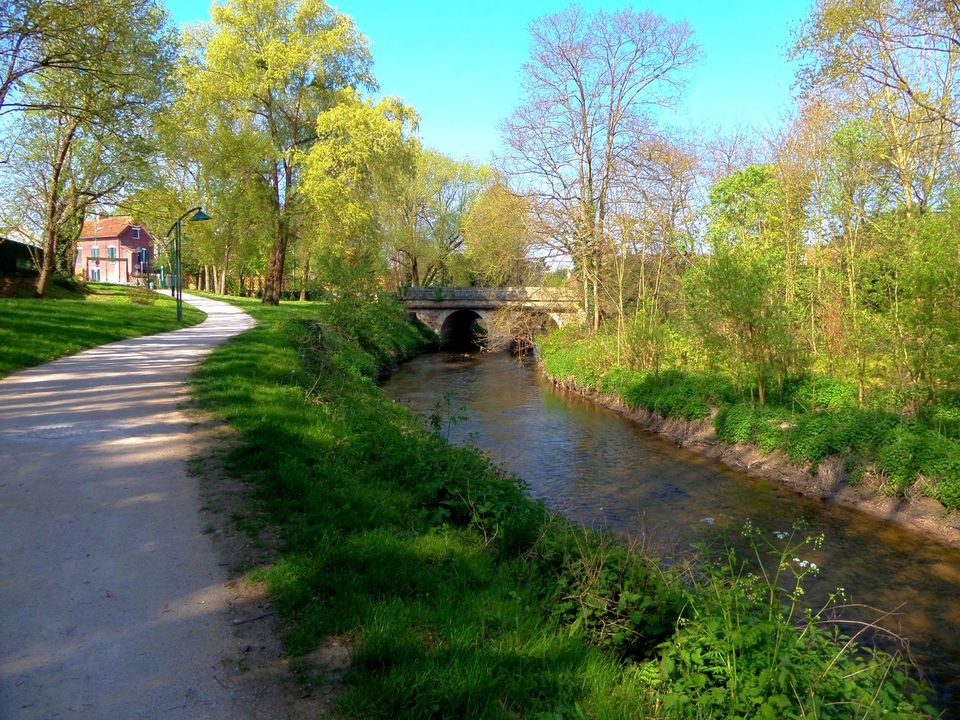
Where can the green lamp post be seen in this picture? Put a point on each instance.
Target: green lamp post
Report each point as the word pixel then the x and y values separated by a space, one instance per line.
pixel 176 286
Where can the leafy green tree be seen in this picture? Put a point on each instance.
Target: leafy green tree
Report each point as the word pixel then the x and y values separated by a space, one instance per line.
pixel 424 220
pixel 85 132
pixel 274 68
pixel 364 151
pixel 736 295
pixel 498 236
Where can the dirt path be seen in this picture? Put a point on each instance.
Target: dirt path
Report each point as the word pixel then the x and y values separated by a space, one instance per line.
pixel 113 601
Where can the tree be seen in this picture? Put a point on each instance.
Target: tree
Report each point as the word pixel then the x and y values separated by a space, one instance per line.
pixel 910 48
pixel 274 67
pixel 85 133
pixel 497 236
pixel 37 36
pixel 425 217
pixel 736 295
pixel 364 150
pixel 590 83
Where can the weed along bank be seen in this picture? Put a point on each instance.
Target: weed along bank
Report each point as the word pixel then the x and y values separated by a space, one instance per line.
pixel 461 594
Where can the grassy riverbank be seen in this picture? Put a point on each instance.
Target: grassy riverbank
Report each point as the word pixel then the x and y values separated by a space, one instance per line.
pixel 35 331
pixel 460 596
pixel 812 418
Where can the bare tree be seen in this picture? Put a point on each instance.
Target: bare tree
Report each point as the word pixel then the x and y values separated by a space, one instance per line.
pixel 910 48
pixel 590 86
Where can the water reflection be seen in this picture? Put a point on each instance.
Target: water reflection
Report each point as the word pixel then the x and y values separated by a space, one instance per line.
pixel 606 472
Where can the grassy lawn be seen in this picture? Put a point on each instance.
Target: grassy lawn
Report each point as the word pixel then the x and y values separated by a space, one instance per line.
pixel 462 597
pixel 35 331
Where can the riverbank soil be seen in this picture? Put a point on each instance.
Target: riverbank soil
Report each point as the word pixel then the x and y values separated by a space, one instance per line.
pixel 115 604
pixel 272 684
pixel 827 482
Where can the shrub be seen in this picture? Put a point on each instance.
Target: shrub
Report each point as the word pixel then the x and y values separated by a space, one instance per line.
pixel 141 296
pixel 814 392
pixel 616 597
pixel 747 649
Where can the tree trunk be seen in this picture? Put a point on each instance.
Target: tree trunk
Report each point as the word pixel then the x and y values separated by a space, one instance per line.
pixel 48 265
pixel 273 282
pixel 303 282
pixel 51 224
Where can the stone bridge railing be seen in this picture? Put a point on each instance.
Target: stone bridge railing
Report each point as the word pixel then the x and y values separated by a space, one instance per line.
pixel 489 296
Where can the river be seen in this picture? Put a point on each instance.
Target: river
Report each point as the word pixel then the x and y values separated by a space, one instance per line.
pixel 606 472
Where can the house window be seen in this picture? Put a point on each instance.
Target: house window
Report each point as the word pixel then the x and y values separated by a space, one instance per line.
pixel 112 252
pixel 79 256
pixel 95 275
pixel 136 233
pixel 95 251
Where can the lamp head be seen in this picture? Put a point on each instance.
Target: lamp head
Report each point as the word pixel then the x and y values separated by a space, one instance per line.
pixel 199 216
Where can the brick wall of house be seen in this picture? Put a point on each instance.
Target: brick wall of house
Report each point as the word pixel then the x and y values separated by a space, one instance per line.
pixel 114 257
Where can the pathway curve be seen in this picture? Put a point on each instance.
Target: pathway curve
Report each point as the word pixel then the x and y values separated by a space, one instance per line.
pixel 111 597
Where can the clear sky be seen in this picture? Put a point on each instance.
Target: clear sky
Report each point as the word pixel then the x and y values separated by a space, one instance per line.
pixel 457 62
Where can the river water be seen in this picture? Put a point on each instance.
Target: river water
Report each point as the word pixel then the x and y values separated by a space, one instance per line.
pixel 608 473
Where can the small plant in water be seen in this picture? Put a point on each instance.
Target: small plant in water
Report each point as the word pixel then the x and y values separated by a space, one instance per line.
pixel 443 418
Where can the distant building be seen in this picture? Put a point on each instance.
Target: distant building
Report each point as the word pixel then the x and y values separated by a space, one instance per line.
pixel 115 250
pixel 20 254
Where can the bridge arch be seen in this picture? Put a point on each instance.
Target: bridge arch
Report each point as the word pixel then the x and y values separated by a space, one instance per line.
pixel 463 330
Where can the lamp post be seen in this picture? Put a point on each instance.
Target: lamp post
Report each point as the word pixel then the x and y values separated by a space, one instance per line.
pixel 176 286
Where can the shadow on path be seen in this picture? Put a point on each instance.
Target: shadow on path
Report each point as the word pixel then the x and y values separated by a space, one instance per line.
pixel 111 598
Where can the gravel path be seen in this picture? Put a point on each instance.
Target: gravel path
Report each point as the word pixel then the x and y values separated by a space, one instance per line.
pixel 112 599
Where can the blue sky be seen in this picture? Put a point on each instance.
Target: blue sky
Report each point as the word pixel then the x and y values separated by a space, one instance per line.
pixel 458 62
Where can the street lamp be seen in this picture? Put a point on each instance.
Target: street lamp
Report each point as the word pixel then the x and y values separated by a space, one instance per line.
pixel 176 287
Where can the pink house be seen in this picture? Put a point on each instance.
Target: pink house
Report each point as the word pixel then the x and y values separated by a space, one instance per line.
pixel 114 250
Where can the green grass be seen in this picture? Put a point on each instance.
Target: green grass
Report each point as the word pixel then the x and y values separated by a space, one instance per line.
pixel 460 596
pixel 811 419
pixel 35 331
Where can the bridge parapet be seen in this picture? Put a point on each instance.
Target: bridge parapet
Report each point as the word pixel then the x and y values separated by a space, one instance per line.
pixel 494 296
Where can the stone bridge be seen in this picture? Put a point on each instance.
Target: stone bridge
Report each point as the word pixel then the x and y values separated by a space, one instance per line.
pixel 453 312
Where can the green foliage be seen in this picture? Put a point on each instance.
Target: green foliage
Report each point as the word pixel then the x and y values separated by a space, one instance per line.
pixel 141 296
pixel 811 392
pixel 611 594
pixel 746 646
pixel 674 393
pixel 569 355
pixel 813 418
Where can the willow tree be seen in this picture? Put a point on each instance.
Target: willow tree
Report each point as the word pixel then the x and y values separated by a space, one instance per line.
pixel 497 236
pixel 274 66
pixel 426 216
pixel 364 151
pixel 589 89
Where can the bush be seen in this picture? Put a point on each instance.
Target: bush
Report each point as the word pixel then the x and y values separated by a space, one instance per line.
pixel 814 392
pixel 604 590
pixel 140 295
pixel 746 648
pixel 677 394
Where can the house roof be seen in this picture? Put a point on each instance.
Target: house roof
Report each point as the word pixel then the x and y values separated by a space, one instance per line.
pixel 106 227
pixel 19 235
